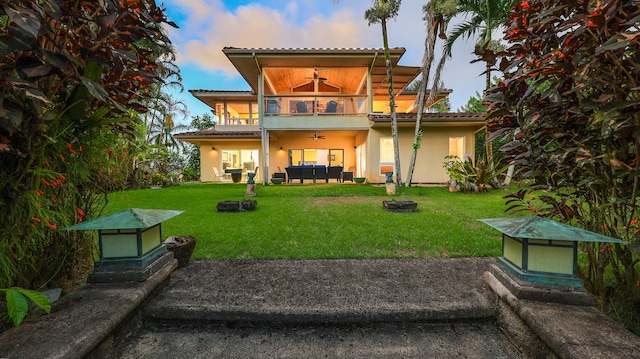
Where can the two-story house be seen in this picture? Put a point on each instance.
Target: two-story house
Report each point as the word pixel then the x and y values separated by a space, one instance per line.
pixel 325 108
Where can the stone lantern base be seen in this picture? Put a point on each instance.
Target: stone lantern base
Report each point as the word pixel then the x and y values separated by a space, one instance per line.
pixel 113 274
pixel 541 292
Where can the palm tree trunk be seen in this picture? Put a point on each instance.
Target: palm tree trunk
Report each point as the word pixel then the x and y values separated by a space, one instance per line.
pixel 427 60
pixel 392 104
pixel 487 143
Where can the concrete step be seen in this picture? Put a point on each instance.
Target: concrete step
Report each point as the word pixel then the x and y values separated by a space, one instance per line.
pixel 371 341
pixel 323 291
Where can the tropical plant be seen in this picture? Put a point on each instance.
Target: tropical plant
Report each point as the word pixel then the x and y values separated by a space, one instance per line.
pixel 454 168
pixel 469 176
pixel 18 306
pixel 192 162
pixel 72 79
pixel 482 174
pixel 486 16
pixel 571 87
pixel 380 12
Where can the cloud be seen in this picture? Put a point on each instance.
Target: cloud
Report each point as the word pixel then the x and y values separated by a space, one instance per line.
pixel 208 29
pixel 206 26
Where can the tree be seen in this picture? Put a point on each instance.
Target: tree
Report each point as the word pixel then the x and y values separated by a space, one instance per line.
pixel 486 17
pixel 72 82
pixel 571 87
pixel 380 12
pixel 441 106
pixel 200 123
pixel 437 14
pixel 474 104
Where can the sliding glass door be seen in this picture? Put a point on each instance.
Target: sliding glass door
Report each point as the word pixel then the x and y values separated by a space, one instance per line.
pixel 318 157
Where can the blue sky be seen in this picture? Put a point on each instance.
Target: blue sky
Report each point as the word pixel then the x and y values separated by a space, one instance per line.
pixel 206 26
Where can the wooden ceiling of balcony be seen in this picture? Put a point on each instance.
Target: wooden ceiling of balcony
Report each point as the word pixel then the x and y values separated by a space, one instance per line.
pixel 282 80
pixel 249 61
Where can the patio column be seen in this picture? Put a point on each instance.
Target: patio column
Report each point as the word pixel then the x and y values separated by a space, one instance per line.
pixel 370 87
pixel 264 135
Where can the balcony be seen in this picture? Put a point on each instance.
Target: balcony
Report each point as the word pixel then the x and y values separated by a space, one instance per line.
pixel 317 105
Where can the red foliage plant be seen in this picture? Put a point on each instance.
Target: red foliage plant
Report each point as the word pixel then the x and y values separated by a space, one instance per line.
pixel 571 97
pixel 72 78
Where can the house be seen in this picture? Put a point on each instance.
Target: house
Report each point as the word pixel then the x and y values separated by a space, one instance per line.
pixel 324 107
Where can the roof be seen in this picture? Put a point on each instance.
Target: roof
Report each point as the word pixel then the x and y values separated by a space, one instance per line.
pixel 534 227
pixel 210 97
pixel 248 61
pixel 132 218
pixel 430 119
pixel 219 134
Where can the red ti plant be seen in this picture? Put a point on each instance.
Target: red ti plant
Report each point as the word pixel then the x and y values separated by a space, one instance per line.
pixel 73 74
pixel 571 89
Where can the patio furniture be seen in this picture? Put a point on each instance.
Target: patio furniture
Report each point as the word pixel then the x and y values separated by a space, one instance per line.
pixel 279 175
pixel 334 172
pixel 273 107
pixel 219 177
pixel 306 172
pixel 331 107
pixel 320 173
pixel 293 173
pixel 301 107
pixel 236 174
pixel 348 176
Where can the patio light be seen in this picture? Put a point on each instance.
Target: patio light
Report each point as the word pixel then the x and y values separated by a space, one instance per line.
pixel 130 244
pixel 539 250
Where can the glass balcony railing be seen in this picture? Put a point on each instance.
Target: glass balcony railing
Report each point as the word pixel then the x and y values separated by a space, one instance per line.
pixel 296 105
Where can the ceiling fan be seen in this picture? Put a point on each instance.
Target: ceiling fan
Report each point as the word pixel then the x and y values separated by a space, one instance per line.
pixel 317 137
pixel 316 76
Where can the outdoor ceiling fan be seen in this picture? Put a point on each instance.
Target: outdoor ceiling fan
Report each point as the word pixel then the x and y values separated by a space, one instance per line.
pixel 317 137
pixel 316 76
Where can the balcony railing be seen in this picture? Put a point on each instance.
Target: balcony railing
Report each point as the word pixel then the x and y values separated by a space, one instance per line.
pixel 321 105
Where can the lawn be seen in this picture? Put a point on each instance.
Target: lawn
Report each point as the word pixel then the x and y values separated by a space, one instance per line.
pixel 324 221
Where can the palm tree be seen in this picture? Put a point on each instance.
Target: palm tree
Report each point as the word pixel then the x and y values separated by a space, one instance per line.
pixel 486 17
pixel 160 131
pixel 380 12
pixel 437 14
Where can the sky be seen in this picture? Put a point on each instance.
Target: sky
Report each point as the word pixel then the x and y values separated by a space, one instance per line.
pixel 206 26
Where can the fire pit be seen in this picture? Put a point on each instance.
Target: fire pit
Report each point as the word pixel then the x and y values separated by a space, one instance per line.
pixel 237 206
pixel 400 206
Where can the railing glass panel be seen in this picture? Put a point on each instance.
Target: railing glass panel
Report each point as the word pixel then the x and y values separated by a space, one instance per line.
pixel 296 105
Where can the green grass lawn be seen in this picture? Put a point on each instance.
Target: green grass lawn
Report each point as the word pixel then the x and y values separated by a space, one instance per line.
pixel 324 221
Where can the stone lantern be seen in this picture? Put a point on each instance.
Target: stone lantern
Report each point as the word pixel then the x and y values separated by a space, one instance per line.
pixel 536 249
pixel 130 244
pixel 539 259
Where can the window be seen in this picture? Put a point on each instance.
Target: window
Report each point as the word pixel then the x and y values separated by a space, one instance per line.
pixel 319 157
pixel 245 159
pixel 236 113
pixel 386 155
pixel 456 147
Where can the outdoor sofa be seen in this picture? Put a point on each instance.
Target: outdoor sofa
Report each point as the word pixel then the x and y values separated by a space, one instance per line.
pixel 314 173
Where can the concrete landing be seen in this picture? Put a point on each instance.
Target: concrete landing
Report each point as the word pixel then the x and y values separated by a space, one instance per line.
pixel 324 291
